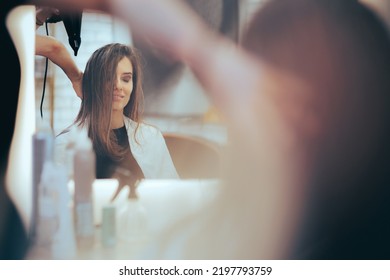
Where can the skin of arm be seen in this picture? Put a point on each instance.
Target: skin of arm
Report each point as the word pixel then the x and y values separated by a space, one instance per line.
pixel 55 51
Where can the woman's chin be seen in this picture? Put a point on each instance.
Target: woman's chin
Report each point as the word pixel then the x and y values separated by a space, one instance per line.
pixel 117 108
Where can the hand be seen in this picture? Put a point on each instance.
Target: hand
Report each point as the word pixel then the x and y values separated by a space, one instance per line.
pixel 43 13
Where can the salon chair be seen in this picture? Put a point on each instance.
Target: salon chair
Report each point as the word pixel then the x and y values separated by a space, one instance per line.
pixel 194 157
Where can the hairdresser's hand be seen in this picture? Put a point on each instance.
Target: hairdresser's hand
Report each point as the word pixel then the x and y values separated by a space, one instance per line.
pixel 43 13
pixel 77 85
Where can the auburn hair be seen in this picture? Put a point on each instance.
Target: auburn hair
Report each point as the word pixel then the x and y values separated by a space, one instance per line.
pixel 98 86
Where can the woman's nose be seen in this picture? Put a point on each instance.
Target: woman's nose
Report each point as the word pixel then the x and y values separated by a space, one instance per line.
pixel 118 84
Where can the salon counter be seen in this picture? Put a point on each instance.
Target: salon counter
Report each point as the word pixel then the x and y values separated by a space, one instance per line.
pixel 165 202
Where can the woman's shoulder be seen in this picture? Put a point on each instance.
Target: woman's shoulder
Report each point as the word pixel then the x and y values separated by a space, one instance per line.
pixel 150 128
pixel 144 128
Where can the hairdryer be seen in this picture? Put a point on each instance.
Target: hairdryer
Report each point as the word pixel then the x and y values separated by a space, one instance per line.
pixel 72 23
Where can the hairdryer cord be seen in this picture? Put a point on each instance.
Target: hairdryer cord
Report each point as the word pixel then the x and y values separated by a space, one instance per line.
pixel 44 77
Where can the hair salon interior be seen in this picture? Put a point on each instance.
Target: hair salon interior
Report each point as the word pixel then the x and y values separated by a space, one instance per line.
pixel 175 103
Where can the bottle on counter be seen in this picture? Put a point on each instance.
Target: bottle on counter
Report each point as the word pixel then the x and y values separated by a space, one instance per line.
pixel 48 197
pixel 55 234
pixel 108 227
pixel 84 176
pixel 42 149
pixel 132 219
pixel 63 240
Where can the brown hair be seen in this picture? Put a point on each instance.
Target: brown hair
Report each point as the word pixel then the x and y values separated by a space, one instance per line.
pixel 98 86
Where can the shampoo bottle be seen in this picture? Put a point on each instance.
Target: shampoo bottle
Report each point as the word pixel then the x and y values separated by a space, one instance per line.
pixel 84 176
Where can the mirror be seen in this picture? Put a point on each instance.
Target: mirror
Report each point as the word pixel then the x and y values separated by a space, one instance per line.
pixel 174 101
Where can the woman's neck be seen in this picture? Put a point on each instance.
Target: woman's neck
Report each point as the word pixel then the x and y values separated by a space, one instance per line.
pixel 117 120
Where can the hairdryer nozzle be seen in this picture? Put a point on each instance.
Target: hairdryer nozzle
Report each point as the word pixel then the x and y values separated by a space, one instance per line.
pixel 72 23
pixel 75 44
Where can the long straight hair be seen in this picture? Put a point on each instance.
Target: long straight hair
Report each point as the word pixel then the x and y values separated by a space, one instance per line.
pixel 98 86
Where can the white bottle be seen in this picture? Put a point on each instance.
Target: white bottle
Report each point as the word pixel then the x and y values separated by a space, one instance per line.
pixel 55 232
pixel 48 220
pixel 42 151
pixel 132 219
pixel 84 176
pixel 63 241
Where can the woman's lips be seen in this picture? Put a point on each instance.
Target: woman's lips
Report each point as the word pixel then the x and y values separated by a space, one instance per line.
pixel 117 97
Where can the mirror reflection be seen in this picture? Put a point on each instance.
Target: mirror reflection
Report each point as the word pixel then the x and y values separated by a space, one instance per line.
pixel 173 101
pixel 121 109
pixel 288 139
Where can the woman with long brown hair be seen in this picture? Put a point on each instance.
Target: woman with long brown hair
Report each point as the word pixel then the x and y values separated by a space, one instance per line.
pixel 111 110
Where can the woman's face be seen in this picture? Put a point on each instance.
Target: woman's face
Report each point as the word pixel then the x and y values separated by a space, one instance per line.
pixel 123 84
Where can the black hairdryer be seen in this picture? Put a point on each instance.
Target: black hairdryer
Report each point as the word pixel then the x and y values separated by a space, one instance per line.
pixel 72 23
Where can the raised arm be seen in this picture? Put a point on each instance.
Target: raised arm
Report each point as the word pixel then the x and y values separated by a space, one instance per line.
pixel 55 51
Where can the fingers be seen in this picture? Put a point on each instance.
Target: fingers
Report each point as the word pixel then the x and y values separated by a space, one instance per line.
pixel 43 13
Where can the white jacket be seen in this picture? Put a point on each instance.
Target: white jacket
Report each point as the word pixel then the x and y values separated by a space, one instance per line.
pixel 150 150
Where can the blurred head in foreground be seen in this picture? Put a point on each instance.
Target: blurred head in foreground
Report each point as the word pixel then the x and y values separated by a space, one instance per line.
pixel 308 177
pixel 339 117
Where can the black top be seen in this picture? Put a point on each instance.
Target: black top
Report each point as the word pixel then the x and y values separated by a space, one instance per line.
pixel 107 167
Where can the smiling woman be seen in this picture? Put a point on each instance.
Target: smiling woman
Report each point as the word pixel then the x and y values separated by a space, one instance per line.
pixel 123 89
pixel 111 113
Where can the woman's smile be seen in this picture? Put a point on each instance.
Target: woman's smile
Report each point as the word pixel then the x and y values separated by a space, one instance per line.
pixel 118 97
